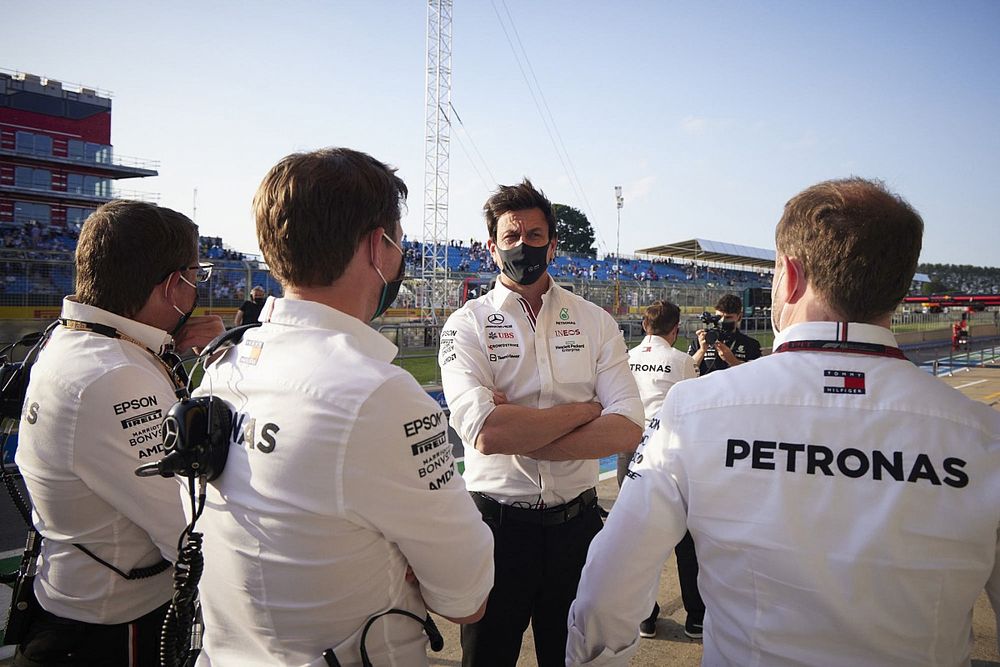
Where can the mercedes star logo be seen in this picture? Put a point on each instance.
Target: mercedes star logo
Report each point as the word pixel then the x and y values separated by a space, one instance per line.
pixel 169 433
pixel 495 318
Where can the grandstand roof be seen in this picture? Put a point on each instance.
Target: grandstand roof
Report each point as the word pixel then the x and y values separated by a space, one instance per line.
pixel 703 250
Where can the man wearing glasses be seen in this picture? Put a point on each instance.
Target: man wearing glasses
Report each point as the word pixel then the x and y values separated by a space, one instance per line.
pixel 97 395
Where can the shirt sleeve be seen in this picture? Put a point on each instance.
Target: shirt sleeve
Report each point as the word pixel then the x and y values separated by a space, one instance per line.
pixel 993 588
pixel 111 440
pixel 753 348
pixel 615 385
pixel 466 376
pixel 690 369
pixel 400 479
pixel 647 521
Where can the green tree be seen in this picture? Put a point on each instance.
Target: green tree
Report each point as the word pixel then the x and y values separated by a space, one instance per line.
pixel 934 287
pixel 574 230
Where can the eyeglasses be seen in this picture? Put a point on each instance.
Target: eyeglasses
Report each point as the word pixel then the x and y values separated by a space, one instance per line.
pixel 203 275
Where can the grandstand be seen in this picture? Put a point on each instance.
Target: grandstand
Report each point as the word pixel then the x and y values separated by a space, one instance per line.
pixel 38 271
pixel 744 267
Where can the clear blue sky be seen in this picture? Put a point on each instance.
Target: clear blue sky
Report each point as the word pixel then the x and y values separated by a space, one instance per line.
pixel 710 115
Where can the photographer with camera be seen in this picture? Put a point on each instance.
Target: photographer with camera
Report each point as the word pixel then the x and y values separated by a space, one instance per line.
pixel 721 344
pixel 657 366
pixel 339 519
pixel 91 414
pixel 250 309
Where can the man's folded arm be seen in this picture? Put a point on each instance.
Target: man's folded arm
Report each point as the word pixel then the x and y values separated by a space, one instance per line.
pixel 516 429
pixel 606 435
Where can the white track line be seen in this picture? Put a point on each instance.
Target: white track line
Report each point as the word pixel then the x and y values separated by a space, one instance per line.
pixel 968 384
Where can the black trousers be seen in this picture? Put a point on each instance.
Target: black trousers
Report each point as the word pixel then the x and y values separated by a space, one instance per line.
pixel 537 572
pixel 687 573
pixel 53 641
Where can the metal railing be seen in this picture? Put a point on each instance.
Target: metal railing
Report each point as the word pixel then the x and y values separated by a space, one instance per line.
pixel 959 360
pixel 903 321
pixel 417 343
pixel 36 281
pixel 107 158
pixel 32 277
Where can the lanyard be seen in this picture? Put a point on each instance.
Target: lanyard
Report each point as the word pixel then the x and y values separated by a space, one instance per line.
pixel 849 347
pixel 170 361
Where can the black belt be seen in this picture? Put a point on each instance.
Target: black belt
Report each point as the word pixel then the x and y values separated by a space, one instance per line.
pixel 549 516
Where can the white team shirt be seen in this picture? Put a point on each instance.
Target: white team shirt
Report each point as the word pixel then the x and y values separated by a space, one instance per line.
pixel 91 416
pixel 339 475
pixel 573 352
pixel 845 509
pixel 657 366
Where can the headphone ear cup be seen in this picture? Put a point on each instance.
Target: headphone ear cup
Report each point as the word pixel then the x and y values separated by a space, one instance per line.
pixel 219 433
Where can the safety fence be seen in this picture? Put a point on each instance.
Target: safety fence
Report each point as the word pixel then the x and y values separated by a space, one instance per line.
pixel 43 279
pixel 964 358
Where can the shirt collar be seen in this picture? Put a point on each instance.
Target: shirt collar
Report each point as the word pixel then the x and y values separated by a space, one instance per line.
pixel 656 341
pixel 855 332
pixel 314 315
pixel 153 338
pixel 501 292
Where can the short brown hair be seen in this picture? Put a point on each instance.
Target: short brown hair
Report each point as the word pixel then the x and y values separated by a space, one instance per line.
pixel 730 304
pixel 520 197
pixel 660 318
pixel 126 248
pixel 313 209
pixel 858 244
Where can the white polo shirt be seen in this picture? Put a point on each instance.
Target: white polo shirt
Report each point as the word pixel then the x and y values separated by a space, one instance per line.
pixel 91 416
pixel 845 508
pixel 657 366
pixel 339 475
pixel 572 352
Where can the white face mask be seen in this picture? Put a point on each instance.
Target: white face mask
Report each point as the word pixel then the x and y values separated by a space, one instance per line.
pixel 776 311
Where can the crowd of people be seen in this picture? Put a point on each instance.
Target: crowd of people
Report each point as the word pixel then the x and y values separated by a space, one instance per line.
pixel 211 247
pixel 39 240
pixel 832 503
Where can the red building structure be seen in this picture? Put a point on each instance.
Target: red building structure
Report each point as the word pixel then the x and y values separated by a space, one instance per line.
pixel 57 163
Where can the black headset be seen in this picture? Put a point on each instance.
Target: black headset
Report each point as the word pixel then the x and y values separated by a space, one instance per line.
pixel 195 432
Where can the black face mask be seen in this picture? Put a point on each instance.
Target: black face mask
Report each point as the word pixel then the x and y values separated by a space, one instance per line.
pixel 390 290
pixel 524 264
pixel 728 326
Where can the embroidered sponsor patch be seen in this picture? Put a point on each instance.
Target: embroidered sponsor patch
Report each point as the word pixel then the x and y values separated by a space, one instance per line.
pixel 843 382
pixel 253 355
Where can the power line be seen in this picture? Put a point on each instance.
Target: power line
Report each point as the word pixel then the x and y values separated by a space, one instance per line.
pixel 471 161
pixel 534 98
pixel 569 168
pixel 468 135
pixel 541 94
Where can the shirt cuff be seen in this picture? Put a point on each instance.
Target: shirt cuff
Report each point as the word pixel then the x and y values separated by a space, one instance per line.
pixel 606 658
pixel 634 413
pixel 468 417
